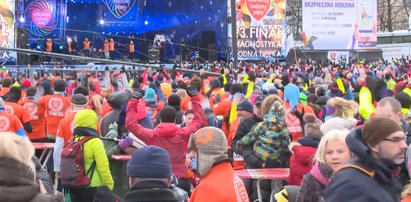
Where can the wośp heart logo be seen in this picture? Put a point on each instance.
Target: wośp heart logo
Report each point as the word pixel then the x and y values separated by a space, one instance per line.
pixel 119 8
pixel 41 17
pixel 258 8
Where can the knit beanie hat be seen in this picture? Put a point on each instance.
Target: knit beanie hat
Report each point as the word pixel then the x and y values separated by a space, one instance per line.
pixel 246 106
pixel 211 146
pixel 378 128
pixel 291 95
pixel 86 118
pixel 338 123
pixel 26 84
pixel 168 115
pixel 166 88
pixel 149 162
pixel 116 99
pixel 60 85
pixel 78 100
pixel 150 98
pixel 312 126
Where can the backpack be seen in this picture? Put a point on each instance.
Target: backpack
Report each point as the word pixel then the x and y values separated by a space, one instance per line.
pixel 73 174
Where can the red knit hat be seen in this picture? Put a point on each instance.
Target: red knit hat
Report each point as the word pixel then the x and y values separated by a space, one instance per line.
pixel 26 84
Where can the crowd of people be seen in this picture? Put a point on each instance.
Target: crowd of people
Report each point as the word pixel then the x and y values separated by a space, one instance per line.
pixel 342 130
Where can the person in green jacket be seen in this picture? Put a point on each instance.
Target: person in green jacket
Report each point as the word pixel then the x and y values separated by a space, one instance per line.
pixel 86 125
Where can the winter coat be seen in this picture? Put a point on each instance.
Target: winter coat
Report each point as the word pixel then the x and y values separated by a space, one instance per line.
pixel 108 119
pixel 94 151
pixel 351 184
pixel 152 190
pixel 270 140
pixel 43 175
pixel 211 188
pixel 18 184
pixel 313 184
pixel 167 135
pixel 244 127
pixel 301 160
pixel 111 147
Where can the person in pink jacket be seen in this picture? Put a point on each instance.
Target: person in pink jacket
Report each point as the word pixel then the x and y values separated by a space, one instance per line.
pixel 167 134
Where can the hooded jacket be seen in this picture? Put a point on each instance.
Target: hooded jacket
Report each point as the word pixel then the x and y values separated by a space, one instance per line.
pixel 18 184
pixel 350 184
pixel 211 188
pixel 93 149
pixel 167 135
pixel 301 160
pixel 270 140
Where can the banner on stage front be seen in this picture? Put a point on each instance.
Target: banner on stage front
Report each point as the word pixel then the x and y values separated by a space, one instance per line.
pixel 7 38
pixel 339 24
pixel 338 57
pixel 261 29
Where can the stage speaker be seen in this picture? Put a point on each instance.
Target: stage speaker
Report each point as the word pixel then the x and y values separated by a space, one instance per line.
pixel 207 40
pixel 153 56
pixel 212 53
pixel 208 37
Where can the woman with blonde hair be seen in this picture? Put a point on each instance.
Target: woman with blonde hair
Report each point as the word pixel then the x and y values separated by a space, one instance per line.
pixel 340 107
pixel 331 155
pixel 17 172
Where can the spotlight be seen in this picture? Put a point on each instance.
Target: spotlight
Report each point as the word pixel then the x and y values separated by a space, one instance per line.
pixel 21 19
pixel 61 47
pixel 146 22
pixel 101 22
pixel 38 47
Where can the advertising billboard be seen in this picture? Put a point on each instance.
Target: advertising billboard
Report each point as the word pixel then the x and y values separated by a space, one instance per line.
pixel 339 24
pixel 7 23
pixel 260 29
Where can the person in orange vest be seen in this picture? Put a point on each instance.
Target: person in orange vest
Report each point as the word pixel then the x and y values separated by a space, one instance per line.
pixel 106 49
pixel 10 122
pixel 131 50
pixel 86 47
pixel 55 106
pixel 49 48
pixel 11 106
pixel 5 86
pixel 49 45
pixel 66 127
pixel 111 48
pixel 37 116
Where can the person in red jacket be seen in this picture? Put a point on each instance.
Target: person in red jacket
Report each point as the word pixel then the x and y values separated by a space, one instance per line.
pixel 167 134
pixel 304 149
pixel 218 180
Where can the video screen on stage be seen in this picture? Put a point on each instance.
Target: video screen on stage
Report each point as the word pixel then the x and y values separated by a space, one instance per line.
pixel 339 24
pixel 260 29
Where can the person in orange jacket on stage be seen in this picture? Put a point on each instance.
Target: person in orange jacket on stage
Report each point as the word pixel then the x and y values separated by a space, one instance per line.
pixel 131 51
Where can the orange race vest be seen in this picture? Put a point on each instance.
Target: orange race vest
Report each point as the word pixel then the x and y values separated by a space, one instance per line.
pixel 105 47
pixel 49 46
pixel 111 45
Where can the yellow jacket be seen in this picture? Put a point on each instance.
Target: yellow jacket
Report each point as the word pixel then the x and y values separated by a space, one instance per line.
pixel 85 123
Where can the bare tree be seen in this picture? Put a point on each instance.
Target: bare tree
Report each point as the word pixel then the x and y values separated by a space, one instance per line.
pixel 294 18
pixel 393 15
